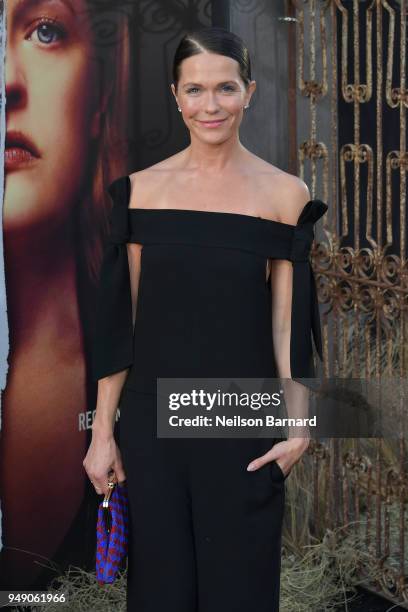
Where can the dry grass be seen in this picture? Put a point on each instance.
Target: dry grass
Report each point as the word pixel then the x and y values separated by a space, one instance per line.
pixel 320 578
pixel 84 594
pixel 324 576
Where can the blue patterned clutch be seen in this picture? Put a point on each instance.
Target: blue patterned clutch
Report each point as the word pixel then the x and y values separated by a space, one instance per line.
pixel 111 533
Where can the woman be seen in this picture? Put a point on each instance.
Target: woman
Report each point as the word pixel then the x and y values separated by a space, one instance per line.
pixel 65 105
pixel 197 282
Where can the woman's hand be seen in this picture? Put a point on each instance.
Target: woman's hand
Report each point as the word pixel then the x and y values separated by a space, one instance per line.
pixel 288 451
pixel 103 456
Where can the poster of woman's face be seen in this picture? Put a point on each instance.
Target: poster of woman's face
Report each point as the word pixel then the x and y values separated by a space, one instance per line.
pixel 65 77
pixel 86 98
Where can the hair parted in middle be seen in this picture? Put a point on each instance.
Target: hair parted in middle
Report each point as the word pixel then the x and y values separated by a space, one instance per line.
pixel 213 40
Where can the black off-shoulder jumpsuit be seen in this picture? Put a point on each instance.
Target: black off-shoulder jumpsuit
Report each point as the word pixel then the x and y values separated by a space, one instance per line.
pixel 205 534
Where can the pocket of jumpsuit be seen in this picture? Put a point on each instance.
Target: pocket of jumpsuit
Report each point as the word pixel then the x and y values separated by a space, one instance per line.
pixel 276 471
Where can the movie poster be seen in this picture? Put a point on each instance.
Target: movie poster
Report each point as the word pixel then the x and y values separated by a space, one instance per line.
pixel 78 78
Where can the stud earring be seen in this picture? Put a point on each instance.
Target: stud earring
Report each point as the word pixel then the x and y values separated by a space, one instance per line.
pixel 246 106
pixel 179 109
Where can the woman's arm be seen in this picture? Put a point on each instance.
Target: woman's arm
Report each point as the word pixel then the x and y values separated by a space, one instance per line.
pixel 109 390
pixel 110 387
pixel 103 454
pixel 296 395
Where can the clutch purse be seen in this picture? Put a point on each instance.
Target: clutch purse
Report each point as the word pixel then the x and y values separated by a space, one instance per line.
pixel 111 533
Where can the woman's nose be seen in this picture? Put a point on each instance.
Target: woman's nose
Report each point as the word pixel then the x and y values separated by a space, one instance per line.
pixel 14 81
pixel 211 103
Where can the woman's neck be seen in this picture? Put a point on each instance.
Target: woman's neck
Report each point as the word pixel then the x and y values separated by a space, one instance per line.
pixel 213 158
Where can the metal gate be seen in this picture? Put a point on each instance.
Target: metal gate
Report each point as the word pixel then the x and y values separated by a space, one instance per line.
pixel 350 80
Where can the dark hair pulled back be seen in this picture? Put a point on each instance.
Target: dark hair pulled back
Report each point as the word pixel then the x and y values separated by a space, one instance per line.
pixel 213 40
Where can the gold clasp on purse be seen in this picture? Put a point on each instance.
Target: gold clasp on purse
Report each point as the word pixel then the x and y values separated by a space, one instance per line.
pixel 111 486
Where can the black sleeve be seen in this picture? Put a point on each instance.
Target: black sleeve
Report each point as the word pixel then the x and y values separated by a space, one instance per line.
pixel 305 318
pixel 112 343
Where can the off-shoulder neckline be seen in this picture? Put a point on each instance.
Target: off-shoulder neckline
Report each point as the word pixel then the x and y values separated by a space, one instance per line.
pixel 209 212
pixel 237 215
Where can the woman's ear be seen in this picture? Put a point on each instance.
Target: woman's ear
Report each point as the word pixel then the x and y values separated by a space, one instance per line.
pixel 250 91
pixel 173 89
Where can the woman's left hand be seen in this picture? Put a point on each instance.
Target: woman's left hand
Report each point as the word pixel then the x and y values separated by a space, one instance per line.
pixel 288 452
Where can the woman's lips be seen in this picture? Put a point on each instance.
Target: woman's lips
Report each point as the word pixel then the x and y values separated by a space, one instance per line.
pixel 19 150
pixel 15 156
pixel 211 124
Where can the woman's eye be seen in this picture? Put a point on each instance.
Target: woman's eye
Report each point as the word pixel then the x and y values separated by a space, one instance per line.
pixel 48 31
pixel 227 88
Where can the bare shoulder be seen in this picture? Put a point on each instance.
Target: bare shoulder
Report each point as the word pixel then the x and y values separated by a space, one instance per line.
pixel 148 183
pixel 284 195
pixel 293 194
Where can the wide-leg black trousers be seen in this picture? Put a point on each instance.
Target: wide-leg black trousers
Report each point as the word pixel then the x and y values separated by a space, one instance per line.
pixel 204 533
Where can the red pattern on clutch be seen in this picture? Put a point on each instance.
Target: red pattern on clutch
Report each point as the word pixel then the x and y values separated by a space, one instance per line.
pixel 112 535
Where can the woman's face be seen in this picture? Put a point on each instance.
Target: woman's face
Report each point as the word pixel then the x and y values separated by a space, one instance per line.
pixel 51 108
pixel 212 96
